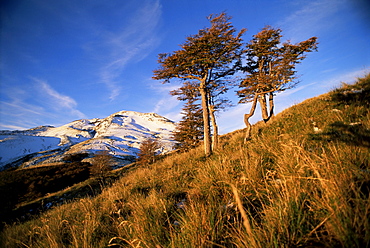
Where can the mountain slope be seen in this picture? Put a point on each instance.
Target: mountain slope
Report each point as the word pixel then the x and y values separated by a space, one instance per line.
pixel 120 133
pixel 303 180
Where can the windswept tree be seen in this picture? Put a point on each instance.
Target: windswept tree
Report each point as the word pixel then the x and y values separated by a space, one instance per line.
pixel 189 131
pixel 216 104
pixel 148 151
pixel 270 69
pixel 205 58
pixel 101 164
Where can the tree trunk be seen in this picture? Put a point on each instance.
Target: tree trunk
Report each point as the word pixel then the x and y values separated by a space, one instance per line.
pixel 206 121
pixel 271 104
pixel 263 104
pixel 215 128
pixel 246 119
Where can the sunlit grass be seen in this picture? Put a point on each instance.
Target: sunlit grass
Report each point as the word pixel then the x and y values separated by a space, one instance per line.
pixel 290 186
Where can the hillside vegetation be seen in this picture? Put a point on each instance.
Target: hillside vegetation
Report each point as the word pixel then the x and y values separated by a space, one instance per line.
pixel 303 180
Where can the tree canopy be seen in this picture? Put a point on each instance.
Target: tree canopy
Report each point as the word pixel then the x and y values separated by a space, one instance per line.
pixel 205 57
pixel 189 131
pixel 207 62
pixel 270 68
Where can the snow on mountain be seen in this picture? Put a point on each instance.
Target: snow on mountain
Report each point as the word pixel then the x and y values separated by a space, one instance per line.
pixel 121 134
pixel 15 146
pixel 72 133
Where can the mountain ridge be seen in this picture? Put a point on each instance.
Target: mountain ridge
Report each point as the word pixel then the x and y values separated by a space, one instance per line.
pixel 120 133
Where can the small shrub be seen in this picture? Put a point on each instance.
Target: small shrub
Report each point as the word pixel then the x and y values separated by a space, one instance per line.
pixel 76 157
pixel 101 164
pixel 148 151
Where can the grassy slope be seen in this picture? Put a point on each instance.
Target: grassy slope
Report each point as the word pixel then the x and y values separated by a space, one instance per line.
pixel 288 187
pixel 30 191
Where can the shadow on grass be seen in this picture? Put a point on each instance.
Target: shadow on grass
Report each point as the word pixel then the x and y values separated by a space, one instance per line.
pixel 351 134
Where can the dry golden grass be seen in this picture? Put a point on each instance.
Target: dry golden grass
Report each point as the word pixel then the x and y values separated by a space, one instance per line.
pixel 290 186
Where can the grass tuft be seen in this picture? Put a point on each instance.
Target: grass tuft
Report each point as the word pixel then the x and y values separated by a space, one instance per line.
pixel 303 180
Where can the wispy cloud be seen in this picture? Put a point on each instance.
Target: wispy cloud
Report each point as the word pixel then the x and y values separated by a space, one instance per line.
pixel 166 104
pixel 15 109
pixel 17 114
pixel 130 44
pixel 344 77
pixel 10 127
pixel 59 101
pixel 22 107
pixel 309 20
pixel 232 119
pixel 39 104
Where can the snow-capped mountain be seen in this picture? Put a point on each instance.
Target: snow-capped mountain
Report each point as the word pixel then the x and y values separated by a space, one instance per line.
pixel 121 134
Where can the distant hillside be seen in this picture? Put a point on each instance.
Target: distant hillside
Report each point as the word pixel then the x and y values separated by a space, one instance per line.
pixel 303 180
pixel 120 134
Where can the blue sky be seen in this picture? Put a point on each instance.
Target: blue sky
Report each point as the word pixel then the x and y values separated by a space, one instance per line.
pixel 73 59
